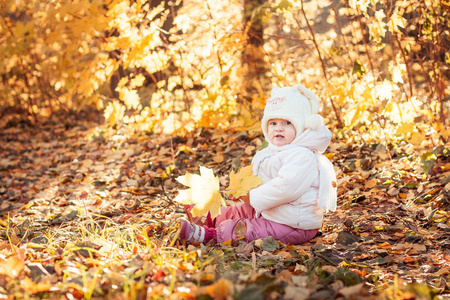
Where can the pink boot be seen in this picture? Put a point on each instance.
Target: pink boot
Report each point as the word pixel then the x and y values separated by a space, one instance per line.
pixel 190 232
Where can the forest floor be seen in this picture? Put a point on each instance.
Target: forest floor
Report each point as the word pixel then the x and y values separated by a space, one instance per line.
pixel 86 211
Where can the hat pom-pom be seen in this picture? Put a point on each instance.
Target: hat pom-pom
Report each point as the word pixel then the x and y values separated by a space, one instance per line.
pixel 313 122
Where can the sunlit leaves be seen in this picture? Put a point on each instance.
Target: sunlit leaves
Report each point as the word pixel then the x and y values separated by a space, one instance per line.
pixel 384 90
pixel 183 22
pixel 155 61
pixel 377 28
pixel 127 92
pixel 114 112
pixel 12 267
pixel 405 128
pixel 397 71
pixel 396 21
pixel 68 51
pixel 361 5
pixel 28 285
pixel 203 193
pixel 410 132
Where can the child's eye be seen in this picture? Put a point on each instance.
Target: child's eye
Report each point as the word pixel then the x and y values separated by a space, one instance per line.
pixel 272 123
pixel 288 123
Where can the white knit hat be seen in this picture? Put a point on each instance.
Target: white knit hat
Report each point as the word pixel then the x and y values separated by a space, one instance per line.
pixel 296 104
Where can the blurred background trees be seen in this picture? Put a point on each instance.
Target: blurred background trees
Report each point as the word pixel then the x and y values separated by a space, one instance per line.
pixel 165 66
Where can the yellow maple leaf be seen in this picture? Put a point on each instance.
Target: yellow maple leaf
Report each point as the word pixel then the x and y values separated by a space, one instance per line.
pixel 204 193
pixel 114 112
pixel 396 21
pixel 405 128
pixel 243 181
pixel 417 138
pixel 377 28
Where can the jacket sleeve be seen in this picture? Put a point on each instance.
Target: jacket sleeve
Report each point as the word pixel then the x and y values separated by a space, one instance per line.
pixel 298 171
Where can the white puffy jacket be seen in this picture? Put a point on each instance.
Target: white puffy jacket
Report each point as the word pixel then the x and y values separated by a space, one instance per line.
pixel 293 176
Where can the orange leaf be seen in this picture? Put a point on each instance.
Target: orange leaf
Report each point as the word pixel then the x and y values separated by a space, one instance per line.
pixel 409 260
pixel 384 245
pixel 12 267
pixel 362 273
pixel 219 290
pixel 34 288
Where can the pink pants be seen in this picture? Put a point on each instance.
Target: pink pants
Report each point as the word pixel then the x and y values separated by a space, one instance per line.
pixel 257 227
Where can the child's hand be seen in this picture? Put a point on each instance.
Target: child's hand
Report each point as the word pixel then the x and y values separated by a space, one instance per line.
pixel 233 198
pixel 245 199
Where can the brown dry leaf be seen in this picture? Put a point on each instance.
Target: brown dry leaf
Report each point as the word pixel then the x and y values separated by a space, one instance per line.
pixel 249 149
pixel 12 267
pixel 296 293
pixel 330 269
pixel 285 275
pixel 7 246
pixel 220 290
pixel 300 269
pixel 371 183
pixel 447 187
pixel 34 288
pixel 240 230
pixel 330 238
pixel 441 272
pixel 14 238
pixel 420 247
pixel 353 290
pixel 244 249
pixel 218 158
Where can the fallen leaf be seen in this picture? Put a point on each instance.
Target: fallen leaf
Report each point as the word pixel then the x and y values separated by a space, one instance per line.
pixel 371 183
pixel 34 288
pixel 14 239
pixel 269 244
pixel 240 230
pixel 244 249
pixel 384 245
pixel 349 291
pixel 300 269
pixel 12 267
pixel 219 290
pixel 219 158
pixel 441 272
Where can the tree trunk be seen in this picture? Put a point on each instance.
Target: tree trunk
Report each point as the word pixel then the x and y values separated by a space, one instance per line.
pixel 256 82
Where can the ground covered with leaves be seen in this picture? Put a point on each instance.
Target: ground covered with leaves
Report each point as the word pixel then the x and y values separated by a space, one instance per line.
pixel 87 211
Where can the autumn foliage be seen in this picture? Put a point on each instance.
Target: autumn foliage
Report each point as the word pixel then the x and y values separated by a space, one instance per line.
pixel 166 66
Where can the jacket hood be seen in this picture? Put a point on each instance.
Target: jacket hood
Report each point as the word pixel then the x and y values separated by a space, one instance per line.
pixel 316 140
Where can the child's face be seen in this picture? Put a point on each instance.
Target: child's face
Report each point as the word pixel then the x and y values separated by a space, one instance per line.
pixel 280 132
